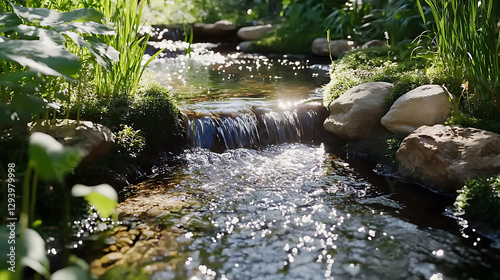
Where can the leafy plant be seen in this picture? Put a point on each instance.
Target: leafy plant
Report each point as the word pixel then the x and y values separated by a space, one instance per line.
pixel 124 75
pixel 352 21
pixel 480 199
pixel 39 40
pixel 130 141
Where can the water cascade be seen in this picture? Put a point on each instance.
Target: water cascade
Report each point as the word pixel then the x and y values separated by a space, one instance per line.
pixel 256 127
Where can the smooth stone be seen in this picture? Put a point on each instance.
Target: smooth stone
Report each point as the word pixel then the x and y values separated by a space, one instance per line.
pixel 335 48
pixel 250 33
pixel 424 105
pixel 356 114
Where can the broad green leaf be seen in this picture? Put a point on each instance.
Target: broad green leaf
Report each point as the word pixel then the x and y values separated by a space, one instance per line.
pixel 85 28
pixel 85 14
pixel 33 14
pixel 9 19
pixel 50 158
pixel 33 33
pixel 27 105
pixel 104 54
pixel 71 273
pixel 103 197
pixel 43 56
pixel 48 17
pixel 23 31
pixel 35 256
pixel 13 79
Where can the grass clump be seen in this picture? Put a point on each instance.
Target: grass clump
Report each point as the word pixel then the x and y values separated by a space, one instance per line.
pixel 382 64
pixel 466 47
pixel 480 199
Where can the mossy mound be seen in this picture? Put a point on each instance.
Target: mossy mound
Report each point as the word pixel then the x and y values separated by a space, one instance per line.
pixel 380 64
pixel 149 113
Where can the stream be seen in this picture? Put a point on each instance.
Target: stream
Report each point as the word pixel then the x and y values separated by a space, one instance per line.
pixel 277 199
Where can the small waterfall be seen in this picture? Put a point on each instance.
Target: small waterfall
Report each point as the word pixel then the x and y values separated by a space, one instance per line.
pixel 256 128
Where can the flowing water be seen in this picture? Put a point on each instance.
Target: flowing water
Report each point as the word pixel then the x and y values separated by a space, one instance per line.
pixel 279 201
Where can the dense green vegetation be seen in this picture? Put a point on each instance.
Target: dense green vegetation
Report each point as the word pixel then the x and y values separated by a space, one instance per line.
pixel 82 60
pixel 64 59
pixel 479 199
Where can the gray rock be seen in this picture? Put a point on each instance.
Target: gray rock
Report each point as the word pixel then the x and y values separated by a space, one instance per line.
pixel 425 105
pixel 220 28
pixel 337 47
pixel 94 139
pixel 444 157
pixel 250 33
pixel 374 43
pixel 356 114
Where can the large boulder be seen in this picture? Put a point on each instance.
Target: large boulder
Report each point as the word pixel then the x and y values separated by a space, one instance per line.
pixel 323 47
pixel 356 114
pixel 425 105
pixel 444 157
pixel 250 33
pixel 93 139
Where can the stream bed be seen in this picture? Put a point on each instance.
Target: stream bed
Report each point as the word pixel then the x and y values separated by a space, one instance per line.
pixel 299 207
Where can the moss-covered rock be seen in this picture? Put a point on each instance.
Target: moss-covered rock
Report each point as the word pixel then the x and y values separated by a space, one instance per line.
pixel 378 64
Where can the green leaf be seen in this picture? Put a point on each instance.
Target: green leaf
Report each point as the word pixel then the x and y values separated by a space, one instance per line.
pixel 9 19
pixel 103 197
pixel 104 54
pixel 50 158
pixel 33 33
pixel 27 105
pixel 86 28
pixel 34 255
pixel 33 14
pixel 13 79
pixel 85 14
pixel 43 56
pixel 71 273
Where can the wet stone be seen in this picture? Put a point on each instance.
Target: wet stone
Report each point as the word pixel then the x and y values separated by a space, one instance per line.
pixel 111 258
pixel 123 242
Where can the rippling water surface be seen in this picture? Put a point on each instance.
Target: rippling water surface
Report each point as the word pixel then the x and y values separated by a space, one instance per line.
pixel 297 211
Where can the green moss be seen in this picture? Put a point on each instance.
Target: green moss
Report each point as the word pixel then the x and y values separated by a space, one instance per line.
pixel 383 64
pixel 150 112
pixel 480 200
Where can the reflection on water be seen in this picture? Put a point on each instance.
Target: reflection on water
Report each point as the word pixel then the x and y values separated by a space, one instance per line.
pixel 297 212
pixel 207 75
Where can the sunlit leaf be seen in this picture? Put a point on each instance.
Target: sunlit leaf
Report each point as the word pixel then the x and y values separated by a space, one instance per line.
pixel 50 158
pixel 85 28
pixel 85 14
pixel 71 273
pixel 43 56
pixel 103 197
pixel 35 255
pixel 9 19
pixel 33 14
pixel 104 54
